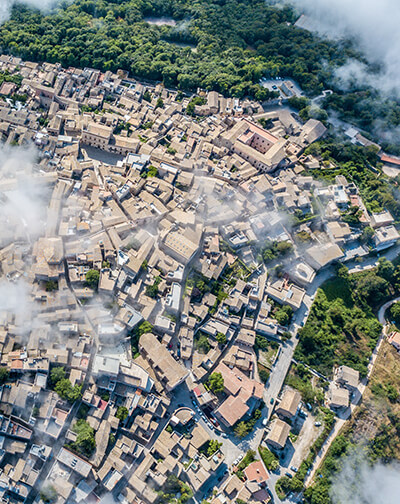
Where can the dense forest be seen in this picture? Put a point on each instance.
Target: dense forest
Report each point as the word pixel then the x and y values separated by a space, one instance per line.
pixel 372 112
pixel 226 45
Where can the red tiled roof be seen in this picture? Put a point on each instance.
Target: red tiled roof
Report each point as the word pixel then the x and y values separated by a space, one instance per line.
pixel 256 472
pixel 390 159
pixel 17 364
pixel 232 410
pixel 103 405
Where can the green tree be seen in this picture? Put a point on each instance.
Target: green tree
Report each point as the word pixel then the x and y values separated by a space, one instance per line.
pixel 4 374
pixel 299 103
pixel 197 100
pixel 371 288
pixel 241 430
pixel 147 96
pixel 203 344
pixel 284 315
pixel 85 442
pixel 51 286
pixel 111 439
pixel 216 382
pixel 264 375
pixel 395 312
pixel 367 234
pixel 284 248
pixel 221 338
pixel 213 447
pixel 57 374
pixel 48 494
pixel 92 278
pixel 122 413
pixel 68 392
pixel 143 328
pixel 152 171
pixel 342 272
pixel 270 460
pixel 152 290
pixel 385 268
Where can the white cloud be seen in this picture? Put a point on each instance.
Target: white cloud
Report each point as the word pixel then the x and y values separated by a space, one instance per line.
pixel 6 6
pixel 23 201
pixel 360 483
pixel 374 25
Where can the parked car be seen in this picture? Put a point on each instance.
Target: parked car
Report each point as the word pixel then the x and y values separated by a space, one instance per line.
pixel 289 475
pixel 272 400
pixel 264 422
pixel 318 424
pixel 240 457
pixel 309 407
pixel 294 469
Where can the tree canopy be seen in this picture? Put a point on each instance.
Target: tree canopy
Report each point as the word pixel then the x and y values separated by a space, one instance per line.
pixel 216 382
pixel 122 413
pixel 236 42
pixel 85 442
pixel 4 374
pixel 92 278
pixel 66 391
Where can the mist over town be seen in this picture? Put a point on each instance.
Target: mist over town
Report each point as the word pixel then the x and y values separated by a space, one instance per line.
pixel 199 252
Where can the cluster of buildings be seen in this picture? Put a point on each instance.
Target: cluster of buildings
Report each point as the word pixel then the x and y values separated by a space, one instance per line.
pixel 146 278
pixel 344 385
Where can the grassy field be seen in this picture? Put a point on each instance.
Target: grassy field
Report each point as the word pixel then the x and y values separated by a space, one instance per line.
pixel 267 357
